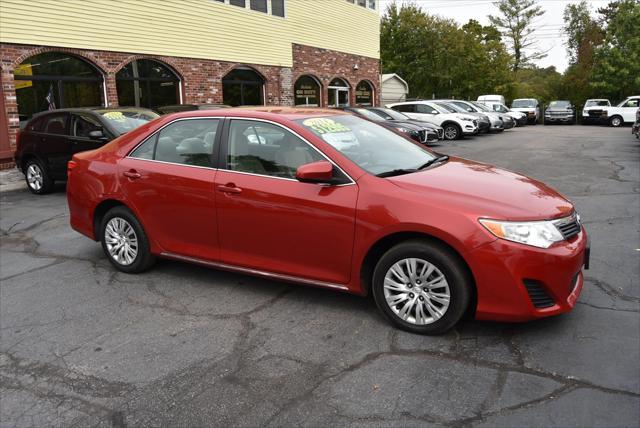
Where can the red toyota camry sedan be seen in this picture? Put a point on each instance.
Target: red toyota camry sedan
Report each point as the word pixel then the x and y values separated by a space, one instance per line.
pixel 325 198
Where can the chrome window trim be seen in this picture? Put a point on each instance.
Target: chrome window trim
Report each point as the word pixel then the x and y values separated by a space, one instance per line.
pixel 157 131
pixel 258 272
pixel 297 135
pixel 209 168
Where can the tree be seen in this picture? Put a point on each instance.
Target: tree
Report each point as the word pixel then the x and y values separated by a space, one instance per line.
pixel 516 23
pixel 616 71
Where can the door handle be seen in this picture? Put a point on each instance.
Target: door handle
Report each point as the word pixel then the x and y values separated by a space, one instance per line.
pixel 132 174
pixel 229 188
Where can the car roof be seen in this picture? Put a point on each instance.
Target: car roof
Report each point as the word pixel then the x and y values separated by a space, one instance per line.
pixel 266 112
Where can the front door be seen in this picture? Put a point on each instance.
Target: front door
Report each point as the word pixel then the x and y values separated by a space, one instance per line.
pixel 169 181
pixel 271 222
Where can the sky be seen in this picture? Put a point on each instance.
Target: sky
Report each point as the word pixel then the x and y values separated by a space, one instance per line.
pixel 548 35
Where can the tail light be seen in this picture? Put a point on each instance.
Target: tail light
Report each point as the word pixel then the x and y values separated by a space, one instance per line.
pixel 71 165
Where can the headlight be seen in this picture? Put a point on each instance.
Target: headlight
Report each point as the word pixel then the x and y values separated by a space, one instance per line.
pixel 407 130
pixel 539 234
pixel 465 118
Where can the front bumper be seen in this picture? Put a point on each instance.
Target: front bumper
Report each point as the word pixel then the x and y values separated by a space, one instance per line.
pixel 563 119
pixel 484 127
pixel 510 277
pixel 469 128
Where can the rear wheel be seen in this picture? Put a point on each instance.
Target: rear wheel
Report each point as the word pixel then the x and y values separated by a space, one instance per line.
pixel 452 132
pixel 421 287
pixel 615 121
pixel 38 179
pixel 124 241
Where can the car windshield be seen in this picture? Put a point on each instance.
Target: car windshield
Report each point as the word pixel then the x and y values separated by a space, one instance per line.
pixel 451 108
pixel 560 104
pixel 390 114
pixel 372 147
pixel 594 103
pixel 368 114
pixel 124 121
pixel 523 103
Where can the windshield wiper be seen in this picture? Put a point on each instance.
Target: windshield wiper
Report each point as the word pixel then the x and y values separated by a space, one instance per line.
pixel 441 158
pixel 395 172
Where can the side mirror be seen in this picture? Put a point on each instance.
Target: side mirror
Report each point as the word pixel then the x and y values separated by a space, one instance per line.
pixel 97 135
pixel 315 172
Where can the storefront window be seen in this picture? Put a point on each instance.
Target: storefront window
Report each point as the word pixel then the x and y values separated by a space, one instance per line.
pixel 242 86
pixel 56 80
pixel 364 94
pixel 147 83
pixel 307 92
pixel 338 94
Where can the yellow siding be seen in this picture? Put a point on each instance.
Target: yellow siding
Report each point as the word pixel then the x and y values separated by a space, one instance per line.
pixel 191 28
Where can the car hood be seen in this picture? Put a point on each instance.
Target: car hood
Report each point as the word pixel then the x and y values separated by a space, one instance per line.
pixel 419 123
pixel 486 191
pixel 414 126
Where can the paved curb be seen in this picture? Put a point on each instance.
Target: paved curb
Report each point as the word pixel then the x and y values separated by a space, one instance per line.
pixel 11 179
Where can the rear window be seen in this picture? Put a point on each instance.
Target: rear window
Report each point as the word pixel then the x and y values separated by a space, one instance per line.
pixel 523 103
pixel 56 124
pixel 598 103
pixel 124 121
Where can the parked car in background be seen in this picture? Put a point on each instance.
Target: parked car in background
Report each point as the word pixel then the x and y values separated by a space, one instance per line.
pixel 495 120
pixel 50 139
pixel 431 237
pixel 391 114
pixel 507 121
pixel 624 112
pixel 559 111
pixel 636 126
pixel 529 106
pixel 455 125
pixel 484 123
pixel 491 98
pixel 189 107
pixel 519 117
pixel 593 110
pixel 420 132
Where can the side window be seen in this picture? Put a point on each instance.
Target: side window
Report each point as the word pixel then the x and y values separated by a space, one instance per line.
pixel 56 124
pixel 186 142
pixel 406 108
pixel 423 108
pixel 267 149
pixel 632 103
pixel 37 125
pixel 83 125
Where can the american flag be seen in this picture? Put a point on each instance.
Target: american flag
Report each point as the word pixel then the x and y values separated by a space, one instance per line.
pixel 50 101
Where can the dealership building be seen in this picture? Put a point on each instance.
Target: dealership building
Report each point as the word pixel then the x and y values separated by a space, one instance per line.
pixel 147 53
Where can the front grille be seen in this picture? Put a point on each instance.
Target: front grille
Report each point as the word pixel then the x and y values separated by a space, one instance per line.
pixel 440 133
pixel 538 296
pixel 568 226
pixel 432 137
pixel 475 122
pixel 595 113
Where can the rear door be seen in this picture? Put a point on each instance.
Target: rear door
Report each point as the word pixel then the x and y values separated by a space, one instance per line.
pixel 168 179
pixel 81 126
pixel 52 144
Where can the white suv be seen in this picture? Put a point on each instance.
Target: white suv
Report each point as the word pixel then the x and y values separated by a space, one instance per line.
pixel 455 125
pixel 529 106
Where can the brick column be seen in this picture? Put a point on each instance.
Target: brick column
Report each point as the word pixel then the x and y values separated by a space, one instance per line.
pixel 112 92
pixel 9 122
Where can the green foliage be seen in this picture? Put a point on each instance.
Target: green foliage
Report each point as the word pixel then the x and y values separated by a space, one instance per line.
pixel 516 23
pixel 616 70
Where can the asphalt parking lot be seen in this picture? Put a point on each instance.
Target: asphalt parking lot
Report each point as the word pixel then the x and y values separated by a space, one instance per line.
pixel 181 345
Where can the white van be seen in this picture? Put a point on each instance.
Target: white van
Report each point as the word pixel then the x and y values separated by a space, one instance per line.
pixel 491 98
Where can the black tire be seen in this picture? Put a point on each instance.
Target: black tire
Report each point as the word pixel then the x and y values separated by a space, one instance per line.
pixel 452 132
pixel 143 259
pixel 38 177
pixel 449 264
pixel 616 121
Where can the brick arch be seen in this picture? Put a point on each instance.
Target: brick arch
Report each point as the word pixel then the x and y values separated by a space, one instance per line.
pixel 313 76
pixel 374 91
pixel 229 69
pixel 343 78
pixel 169 62
pixel 98 64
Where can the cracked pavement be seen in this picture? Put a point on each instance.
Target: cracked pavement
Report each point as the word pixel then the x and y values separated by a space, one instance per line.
pixel 182 345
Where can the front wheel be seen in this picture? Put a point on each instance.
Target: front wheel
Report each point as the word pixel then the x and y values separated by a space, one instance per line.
pixel 452 132
pixel 615 121
pixel 421 287
pixel 124 241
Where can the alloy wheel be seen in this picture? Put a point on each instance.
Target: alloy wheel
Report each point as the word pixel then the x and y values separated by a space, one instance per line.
pixel 450 132
pixel 416 291
pixel 121 241
pixel 616 121
pixel 35 177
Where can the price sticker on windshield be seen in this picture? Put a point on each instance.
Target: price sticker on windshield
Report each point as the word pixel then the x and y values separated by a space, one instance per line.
pixel 323 125
pixel 115 115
